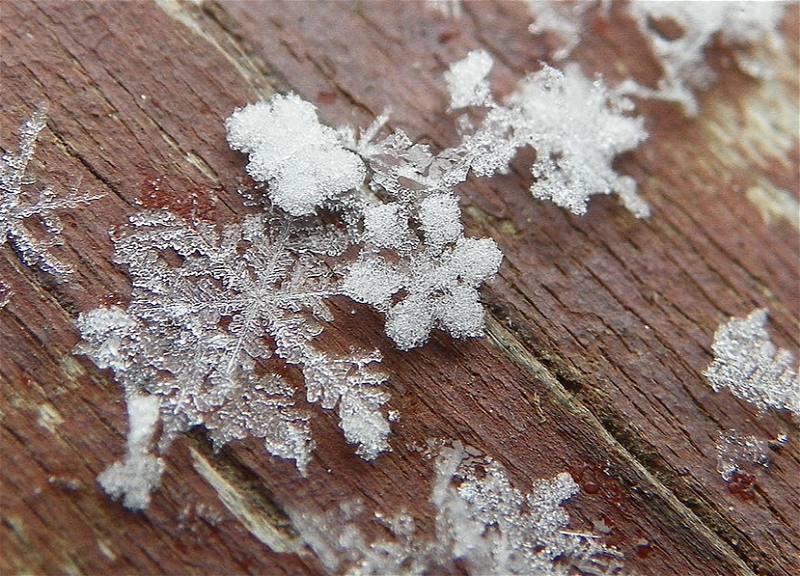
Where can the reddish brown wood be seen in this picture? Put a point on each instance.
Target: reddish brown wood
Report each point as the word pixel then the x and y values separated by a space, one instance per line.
pixel 599 329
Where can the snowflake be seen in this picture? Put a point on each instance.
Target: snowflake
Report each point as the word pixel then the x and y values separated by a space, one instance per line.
pixel 576 126
pixel 209 307
pixel 749 364
pixel 18 207
pixel 482 522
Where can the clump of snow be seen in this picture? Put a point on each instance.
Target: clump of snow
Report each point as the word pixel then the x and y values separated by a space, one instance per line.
pixel 302 160
pixel 748 364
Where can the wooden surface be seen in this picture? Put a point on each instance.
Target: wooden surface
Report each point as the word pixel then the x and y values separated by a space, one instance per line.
pixel 599 327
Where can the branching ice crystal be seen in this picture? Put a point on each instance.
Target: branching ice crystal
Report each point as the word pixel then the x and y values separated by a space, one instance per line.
pixel 19 207
pixel 208 306
pixel 576 126
pixel 481 521
pixel 751 367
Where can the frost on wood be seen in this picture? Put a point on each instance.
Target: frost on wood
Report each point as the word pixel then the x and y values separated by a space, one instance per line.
pixel 576 126
pixel 209 308
pixel 140 472
pixel 301 159
pixel 681 53
pixel 748 364
pixel 483 523
pixel 740 453
pixel 20 206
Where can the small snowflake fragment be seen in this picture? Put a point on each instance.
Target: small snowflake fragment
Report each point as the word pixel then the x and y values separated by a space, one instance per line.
pixel 18 205
pixel 751 367
pixel 739 453
pixel 139 474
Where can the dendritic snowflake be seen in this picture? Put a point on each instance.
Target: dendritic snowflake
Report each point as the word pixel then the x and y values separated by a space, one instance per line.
pixel 748 364
pixel 208 306
pixel 576 126
pixel 19 207
pixel 482 522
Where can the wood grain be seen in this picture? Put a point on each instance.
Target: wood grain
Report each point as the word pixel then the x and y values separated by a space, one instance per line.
pixel 599 327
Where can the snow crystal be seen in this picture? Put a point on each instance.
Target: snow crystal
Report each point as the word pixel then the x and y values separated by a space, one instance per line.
pixel 301 159
pixel 577 127
pixel 18 205
pixel 751 367
pixel 198 325
pixel 482 522
pixel 140 472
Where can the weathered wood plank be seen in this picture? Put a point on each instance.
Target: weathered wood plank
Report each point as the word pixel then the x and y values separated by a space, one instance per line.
pixel 600 326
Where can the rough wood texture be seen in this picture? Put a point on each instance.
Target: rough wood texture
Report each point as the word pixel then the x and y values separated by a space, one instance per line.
pixel 599 328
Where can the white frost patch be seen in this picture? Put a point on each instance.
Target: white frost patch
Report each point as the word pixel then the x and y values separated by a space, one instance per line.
pixel 140 472
pixel 740 453
pixel 749 364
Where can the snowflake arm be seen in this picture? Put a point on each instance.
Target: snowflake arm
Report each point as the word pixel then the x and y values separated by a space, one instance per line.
pixel 140 472
pixel 17 204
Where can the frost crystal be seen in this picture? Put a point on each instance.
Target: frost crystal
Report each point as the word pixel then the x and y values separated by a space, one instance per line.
pixel 301 160
pixel 18 206
pixel 576 126
pixel 681 53
pixel 5 295
pixel 748 363
pixel 209 307
pixel 739 453
pixel 482 522
pixel 140 473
